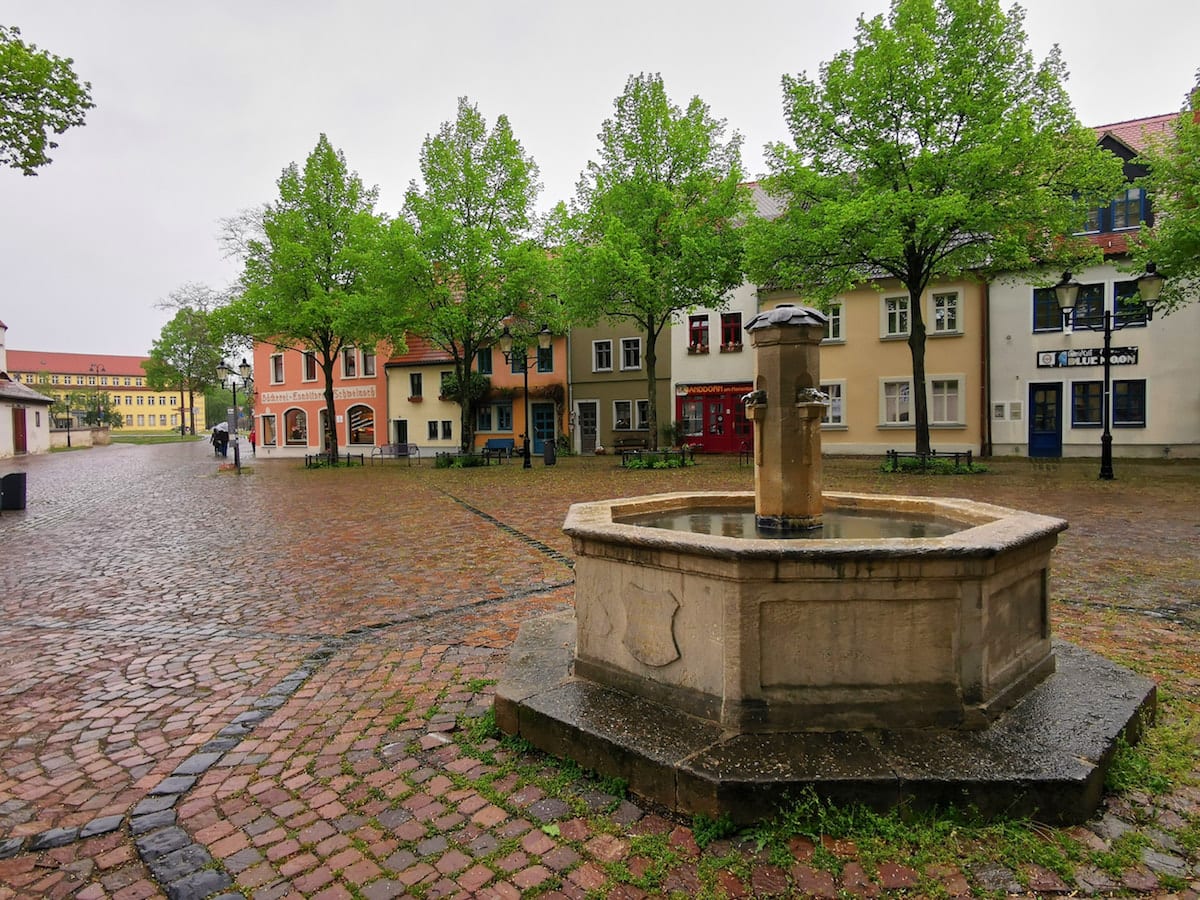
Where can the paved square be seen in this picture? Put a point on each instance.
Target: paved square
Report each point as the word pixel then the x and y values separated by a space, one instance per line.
pixel 264 683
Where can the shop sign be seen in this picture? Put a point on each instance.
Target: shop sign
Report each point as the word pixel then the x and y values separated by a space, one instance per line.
pixel 684 390
pixel 1089 356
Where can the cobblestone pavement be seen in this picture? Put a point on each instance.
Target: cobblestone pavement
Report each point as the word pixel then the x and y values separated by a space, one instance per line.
pixel 276 685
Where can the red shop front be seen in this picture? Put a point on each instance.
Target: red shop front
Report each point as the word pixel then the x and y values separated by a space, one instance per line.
pixel 714 417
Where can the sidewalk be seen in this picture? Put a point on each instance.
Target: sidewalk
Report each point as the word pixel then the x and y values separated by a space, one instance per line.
pixel 278 685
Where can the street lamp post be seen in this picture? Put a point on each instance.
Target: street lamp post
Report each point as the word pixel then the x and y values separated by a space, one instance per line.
pixel 1067 293
pixel 96 369
pixel 520 356
pixel 227 375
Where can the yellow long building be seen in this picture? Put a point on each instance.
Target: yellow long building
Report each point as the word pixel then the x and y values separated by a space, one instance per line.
pixel 117 381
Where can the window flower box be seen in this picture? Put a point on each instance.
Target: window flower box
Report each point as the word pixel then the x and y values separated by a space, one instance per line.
pixel 415 399
pixel 697 348
pixel 731 348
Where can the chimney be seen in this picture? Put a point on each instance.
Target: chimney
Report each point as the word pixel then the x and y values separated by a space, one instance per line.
pixel 3 352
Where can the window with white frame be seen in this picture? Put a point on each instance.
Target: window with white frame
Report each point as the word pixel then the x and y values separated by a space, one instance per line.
pixel 349 363
pixel 631 353
pixel 268 431
pixel 432 431
pixel 643 415
pixel 945 401
pixel 895 316
pixel 295 427
pixel 622 415
pixel 833 327
pixel 276 368
pixel 368 364
pixel 835 413
pixel 602 353
pixel 946 313
pixel 897 402
pixel 308 367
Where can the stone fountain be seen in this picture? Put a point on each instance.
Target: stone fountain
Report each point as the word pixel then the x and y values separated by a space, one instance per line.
pixel 877 649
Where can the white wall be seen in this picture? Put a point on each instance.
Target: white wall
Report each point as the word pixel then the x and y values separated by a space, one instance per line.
pixel 1167 359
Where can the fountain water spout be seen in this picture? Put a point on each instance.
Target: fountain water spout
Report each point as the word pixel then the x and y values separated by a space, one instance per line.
pixel 787 437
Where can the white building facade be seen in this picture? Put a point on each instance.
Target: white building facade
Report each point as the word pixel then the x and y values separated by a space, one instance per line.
pixel 1047 377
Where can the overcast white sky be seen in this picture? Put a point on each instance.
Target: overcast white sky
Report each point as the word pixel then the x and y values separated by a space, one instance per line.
pixel 200 105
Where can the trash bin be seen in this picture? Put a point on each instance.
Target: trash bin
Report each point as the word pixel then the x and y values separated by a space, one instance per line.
pixel 12 491
pixel 548 453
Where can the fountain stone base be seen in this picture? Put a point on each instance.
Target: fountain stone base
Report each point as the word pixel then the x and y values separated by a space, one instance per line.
pixel 816 635
pixel 715 673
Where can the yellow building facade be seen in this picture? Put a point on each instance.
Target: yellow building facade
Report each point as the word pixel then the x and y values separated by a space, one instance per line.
pixel 866 367
pixel 118 382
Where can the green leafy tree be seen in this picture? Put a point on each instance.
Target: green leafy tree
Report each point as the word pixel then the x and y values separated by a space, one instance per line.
pixel 40 96
pixel 1173 244
pixel 935 147
pixel 185 358
pixel 313 276
pixel 652 232
pixel 466 250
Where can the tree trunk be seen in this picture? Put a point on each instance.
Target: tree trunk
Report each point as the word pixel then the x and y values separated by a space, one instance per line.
pixel 466 405
pixel 916 344
pixel 327 363
pixel 651 385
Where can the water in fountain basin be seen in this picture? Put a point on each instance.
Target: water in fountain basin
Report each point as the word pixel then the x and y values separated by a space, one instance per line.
pixel 835 524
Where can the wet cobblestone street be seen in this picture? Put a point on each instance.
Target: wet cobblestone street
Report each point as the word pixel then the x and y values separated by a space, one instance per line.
pixel 253 685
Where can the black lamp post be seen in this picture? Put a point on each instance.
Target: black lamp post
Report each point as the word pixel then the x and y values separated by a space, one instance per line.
pixel 226 375
pixel 1067 292
pixel 520 356
pixel 96 369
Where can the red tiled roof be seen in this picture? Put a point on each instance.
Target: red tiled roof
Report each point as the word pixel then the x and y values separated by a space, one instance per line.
pixel 74 363
pixel 420 351
pixel 1135 133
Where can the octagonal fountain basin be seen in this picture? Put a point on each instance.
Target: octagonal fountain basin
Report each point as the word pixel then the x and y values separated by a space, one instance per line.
pixel 721 675
pixel 926 612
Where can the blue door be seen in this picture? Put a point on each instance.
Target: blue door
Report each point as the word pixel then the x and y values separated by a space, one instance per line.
pixel 1045 420
pixel 543 425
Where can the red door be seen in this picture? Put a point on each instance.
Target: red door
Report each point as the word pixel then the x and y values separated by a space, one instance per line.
pixel 20 442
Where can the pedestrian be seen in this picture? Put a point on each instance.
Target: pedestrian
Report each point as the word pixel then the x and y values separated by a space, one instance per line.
pixel 215 442
pixel 222 437
pixel 253 438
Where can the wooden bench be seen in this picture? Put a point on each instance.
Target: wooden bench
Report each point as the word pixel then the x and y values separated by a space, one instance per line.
pixel 499 449
pixel 396 451
pixel 961 458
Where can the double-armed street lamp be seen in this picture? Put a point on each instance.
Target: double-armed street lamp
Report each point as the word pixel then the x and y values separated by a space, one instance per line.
pixel 1067 293
pixel 228 376
pixel 520 356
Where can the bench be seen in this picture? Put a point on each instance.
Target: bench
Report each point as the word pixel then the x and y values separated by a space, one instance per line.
pixel 319 460
pixel 685 453
pixel 396 451
pixel 629 447
pixel 499 448
pixel 961 458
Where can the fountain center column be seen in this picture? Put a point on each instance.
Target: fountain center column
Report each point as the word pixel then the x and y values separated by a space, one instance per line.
pixel 786 407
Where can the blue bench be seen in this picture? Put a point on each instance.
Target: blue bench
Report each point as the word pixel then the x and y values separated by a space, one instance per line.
pixel 499 448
